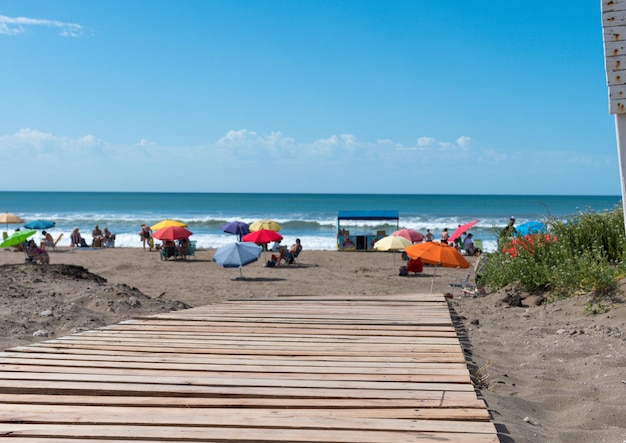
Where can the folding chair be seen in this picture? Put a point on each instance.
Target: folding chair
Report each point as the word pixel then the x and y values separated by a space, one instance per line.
pixel 465 286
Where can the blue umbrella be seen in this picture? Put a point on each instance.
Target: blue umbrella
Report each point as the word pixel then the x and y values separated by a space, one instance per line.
pixel 40 224
pixel 237 228
pixel 530 227
pixel 237 255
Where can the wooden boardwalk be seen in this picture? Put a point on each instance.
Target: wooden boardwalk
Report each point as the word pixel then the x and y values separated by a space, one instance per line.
pixel 363 368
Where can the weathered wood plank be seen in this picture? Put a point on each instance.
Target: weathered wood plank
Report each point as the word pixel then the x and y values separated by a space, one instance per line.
pixel 435 402
pixel 336 368
pixel 443 376
pixel 240 381
pixel 242 435
pixel 259 418
pixel 200 362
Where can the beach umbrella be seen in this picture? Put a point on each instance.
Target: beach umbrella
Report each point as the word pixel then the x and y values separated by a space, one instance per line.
pixel 237 255
pixel 410 234
pixel 262 236
pixel 436 253
pixel 167 223
pixel 270 225
pixel 40 224
pixel 530 227
pixel 172 233
pixel 10 219
pixel 237 228
pixel 16 238
pixel 392 243
pixel 461 230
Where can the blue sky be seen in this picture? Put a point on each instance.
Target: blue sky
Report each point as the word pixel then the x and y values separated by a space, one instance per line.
pixel 305 96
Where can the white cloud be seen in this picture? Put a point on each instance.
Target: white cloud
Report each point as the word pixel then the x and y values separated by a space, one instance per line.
pixel 19 25
pixel 463 142
pixel 96 164
pixel 426 141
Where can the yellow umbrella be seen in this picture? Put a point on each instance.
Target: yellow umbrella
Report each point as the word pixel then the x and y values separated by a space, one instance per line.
pixel 270 225
pixel 167 223
pixel 392 243
pixel 8 218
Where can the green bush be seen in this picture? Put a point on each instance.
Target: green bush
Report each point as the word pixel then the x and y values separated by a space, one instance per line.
pixel 582 255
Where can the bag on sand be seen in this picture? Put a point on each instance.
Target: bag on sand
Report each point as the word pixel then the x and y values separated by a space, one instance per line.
pixel 403 272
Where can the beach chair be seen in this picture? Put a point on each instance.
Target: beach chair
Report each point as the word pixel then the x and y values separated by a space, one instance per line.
pixel 464 284
pixel 168 252
pixel 54 244
pixel 292 258
pixel 415 265
pixel 190 251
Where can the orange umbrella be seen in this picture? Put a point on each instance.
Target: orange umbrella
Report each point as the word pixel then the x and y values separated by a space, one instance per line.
pixel 436 253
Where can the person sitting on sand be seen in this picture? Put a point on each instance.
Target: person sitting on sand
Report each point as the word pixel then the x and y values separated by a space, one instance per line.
pixel 468 245
pixel 97 237
pixel 36 254
pixel 109 238
pixel 46 240
pixel 76 240
pixel 293 252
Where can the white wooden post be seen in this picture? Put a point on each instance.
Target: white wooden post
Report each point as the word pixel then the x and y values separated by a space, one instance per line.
pixel 614 37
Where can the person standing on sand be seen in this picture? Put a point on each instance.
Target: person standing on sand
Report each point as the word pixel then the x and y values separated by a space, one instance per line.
pixel 429 235
pixel 444 236
pixel 506 233
pixel 146 236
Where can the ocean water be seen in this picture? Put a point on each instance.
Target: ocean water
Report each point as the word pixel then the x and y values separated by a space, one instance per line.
pixel 310 217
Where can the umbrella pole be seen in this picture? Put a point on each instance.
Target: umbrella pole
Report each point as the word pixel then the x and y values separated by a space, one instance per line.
pixel 432 280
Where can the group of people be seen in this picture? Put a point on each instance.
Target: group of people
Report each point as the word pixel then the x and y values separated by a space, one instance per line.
pixel 464 242
pixel 281 253
pixel 99 238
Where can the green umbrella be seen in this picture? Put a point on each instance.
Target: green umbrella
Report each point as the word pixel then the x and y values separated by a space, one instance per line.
pixel 16 238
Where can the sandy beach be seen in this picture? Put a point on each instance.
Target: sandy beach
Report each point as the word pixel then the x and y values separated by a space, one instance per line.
pixel 549 373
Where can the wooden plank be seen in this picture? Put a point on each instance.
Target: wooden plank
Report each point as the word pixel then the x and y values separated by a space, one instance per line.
pixel 165 360
pixel 139 389
pixel 44 347
pixel 242 435
pixel 434 402
pixel 259 342
pixel 238 382
pixel 181 371
pixel 326 369
pixel 259 418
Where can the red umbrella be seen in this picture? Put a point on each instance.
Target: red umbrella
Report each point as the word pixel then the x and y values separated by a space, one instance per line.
pixel 262 236
pixel 172 233
pixel 410 234
pixel 461 230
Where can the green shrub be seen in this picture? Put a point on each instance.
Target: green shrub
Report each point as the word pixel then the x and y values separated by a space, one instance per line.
pixel 582 255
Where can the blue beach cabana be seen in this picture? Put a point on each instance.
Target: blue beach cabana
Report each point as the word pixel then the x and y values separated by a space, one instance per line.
pixel 359 230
